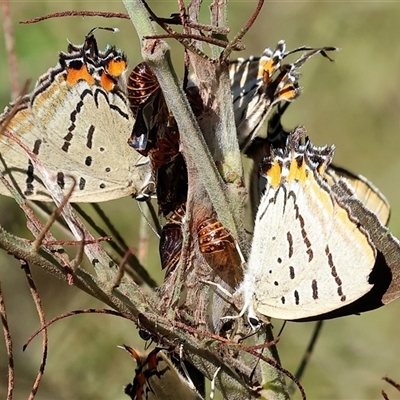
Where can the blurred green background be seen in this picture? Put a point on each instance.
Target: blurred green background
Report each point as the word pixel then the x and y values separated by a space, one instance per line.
pixel 353 103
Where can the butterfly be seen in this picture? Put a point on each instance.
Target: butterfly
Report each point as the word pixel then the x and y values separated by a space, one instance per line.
pixel 76 120
pixel 277 136
pixel 319 249
pixel 156 377
pixel 260 83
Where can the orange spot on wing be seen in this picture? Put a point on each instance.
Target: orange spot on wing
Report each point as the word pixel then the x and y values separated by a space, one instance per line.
pixel 267 69
pixel 288 92
pixel 152 360
pixel 297 172
pixel 274 175
pixel 107 82
pixel 75 75
pixel 116 67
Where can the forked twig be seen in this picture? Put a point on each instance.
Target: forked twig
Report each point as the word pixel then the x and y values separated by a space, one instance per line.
pixel 118 244
pixel 184 37
pixel 239 36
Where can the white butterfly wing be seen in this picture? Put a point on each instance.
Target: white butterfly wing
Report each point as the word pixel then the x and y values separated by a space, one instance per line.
pixel 308 256
pixel 78 130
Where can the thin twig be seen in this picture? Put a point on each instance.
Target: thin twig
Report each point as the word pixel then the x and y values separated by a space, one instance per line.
pixel 121 268
pixel 76 14
pixel 10 49
pixel 77 312
pixel 308 353
pixel 9 347
pixel 392 382
pixel 384 395
pixel 276 365
pixel 40 311
pixel 239 36
pixel 54 215
pixel 206 39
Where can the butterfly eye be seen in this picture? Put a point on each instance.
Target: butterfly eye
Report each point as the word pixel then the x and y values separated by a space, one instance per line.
pixel 254 322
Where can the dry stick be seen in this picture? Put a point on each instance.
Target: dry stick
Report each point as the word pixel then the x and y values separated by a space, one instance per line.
pixel 92 223
pixel 144 238
pixel 182 36
pixel 10 49
pixel 210 335
pixel 392 382
pixel 263 345
pixel 35 226
pixel 43 208
pixel 114 232
pixel 75 242
pixel 118 15
pixel 121 268
pixel 154 216
pixel 77 312
pixel 239 36
pixel 140 273
pixel 15 107
pixel 76 14
pixel 54 215
pixel 159 21
pixel 248 349
pixel 145 325
pixel 218 11
pixel 307 354
pixel 222 339
pixel 9 347
pixel 151 217
pixel 220 30
pixel 276 365
pixel 384 395
pixel 40 311
pixel 77 261
pixel 183 15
